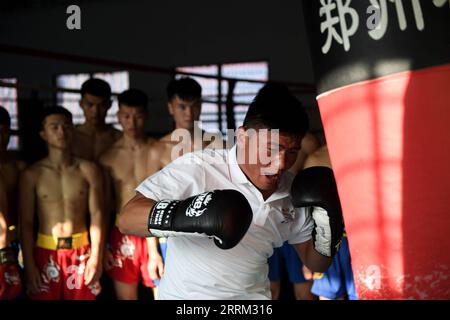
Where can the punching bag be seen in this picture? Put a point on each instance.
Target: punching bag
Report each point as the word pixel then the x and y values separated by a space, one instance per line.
pixel 382 69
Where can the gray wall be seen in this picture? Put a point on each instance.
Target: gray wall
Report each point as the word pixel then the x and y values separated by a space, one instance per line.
pixel 160 33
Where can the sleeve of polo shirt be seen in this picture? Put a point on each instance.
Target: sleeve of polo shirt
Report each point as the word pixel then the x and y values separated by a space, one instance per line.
pixel 182 178
pixel 302 228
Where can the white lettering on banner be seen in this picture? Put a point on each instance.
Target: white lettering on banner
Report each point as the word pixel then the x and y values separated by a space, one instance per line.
pixel 440 3
pixel 418 15
pixel 377 22
pixel 329 24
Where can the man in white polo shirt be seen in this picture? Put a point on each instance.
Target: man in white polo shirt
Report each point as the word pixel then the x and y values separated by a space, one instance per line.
pixel 241 198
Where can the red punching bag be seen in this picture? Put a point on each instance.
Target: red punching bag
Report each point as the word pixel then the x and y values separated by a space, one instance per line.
pixel 383 73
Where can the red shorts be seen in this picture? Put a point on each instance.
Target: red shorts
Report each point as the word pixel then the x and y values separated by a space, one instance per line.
pixel 10 283
pixel 62 274
pixel 130 259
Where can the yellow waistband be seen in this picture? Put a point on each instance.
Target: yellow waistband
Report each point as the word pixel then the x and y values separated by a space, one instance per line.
pixel 75 241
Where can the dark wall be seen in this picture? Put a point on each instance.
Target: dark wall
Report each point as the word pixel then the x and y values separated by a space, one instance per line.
pixel 159 33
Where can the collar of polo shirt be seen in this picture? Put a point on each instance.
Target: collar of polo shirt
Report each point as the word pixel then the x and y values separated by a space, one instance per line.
pixel 237 176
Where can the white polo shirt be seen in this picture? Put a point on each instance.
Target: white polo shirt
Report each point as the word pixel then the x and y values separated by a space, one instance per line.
pixel 195 267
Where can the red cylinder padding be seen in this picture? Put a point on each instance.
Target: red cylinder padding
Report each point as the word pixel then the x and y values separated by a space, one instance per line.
pixel 389 144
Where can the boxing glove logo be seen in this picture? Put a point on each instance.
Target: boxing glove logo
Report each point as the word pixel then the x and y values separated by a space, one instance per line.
pixel 199 204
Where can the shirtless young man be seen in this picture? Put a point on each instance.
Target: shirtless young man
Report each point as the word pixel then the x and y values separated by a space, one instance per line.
pixel 63 190
pixel 10 282
pixel 184 104
pixel 10 168
pixel 127 261
pixel 94 136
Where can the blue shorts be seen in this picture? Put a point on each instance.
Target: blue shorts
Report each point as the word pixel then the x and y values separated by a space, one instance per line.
pixel 286 256
pixel 162 251
pixel 338 280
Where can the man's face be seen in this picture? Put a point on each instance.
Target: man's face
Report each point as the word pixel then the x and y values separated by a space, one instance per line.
pixel 185 112
pixel 4 136
pixel 94 108
pixel 57 131
pixel 132 119
pixel 264 155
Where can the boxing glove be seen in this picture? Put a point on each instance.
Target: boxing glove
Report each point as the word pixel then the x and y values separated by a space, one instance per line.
pixel 315 187
pixel 10 282
pixel 224 215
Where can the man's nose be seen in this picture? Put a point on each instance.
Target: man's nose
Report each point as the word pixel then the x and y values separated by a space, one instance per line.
pixel 62 131
pixel 189 112
pixel 279 162
pixel 95 110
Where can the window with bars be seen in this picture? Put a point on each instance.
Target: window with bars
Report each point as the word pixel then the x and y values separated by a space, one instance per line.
pixel 119 81
pixel 8 99
pixel 213 117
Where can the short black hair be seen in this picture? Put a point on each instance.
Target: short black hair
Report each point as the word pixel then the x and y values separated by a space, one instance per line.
pixel 5 118
pixel 186 88
pixel 133 98
pixel 274 107
pixel 48 111
pixel 96 87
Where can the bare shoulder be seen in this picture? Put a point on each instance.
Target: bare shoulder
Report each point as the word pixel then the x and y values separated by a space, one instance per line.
pixel 310 143
pixel 160 145
pixel 107 157
pixel 167 139
pixel 32 172
pixel 155 150
pixel 116 133
pixel 79 129
pixel 21 165
pixel 319 158
pixel 88 168
pixel 149 141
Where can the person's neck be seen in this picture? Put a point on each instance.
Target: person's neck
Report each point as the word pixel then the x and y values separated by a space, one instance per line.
pixel 95 127
pixel 266 194
pixel 129 141
pixel 191 130
pixel 59 158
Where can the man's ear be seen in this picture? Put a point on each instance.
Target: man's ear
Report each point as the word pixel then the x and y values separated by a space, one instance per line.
pixel 241 135
pixel 170 107
pixel 42 134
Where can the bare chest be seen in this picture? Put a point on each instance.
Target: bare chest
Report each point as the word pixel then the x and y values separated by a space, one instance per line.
pixel 129 166
pixel 91 146
pixel 66 185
